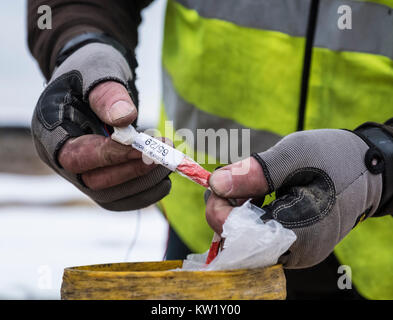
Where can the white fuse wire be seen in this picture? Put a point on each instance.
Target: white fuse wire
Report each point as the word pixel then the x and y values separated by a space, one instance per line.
pixel 153 148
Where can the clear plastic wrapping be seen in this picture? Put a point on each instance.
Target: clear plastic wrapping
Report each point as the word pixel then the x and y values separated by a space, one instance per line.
pixel 249 242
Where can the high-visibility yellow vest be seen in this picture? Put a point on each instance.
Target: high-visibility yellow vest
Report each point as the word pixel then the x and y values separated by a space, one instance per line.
pixel 277 66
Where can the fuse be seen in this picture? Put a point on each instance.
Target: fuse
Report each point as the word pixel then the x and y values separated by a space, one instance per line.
pixel 161 153
pixel 170 158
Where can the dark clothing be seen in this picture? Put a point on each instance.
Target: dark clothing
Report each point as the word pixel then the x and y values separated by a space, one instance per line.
pixel 119 18
pixel 318 282
pixel 176 249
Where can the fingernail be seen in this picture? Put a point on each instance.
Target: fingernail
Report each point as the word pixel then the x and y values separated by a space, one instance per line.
pixel 221 181
pixel 120 109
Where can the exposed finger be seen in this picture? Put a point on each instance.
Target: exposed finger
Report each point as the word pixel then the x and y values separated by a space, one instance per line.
pixel 243 179
pixel 89 152
pixel 112 104
pixel 217 211
pixel 107 177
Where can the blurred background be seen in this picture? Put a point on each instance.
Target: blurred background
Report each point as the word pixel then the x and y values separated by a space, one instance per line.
pixel 46 224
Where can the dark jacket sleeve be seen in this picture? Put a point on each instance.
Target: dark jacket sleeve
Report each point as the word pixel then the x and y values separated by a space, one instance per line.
pixel 118 18
pixel 380 138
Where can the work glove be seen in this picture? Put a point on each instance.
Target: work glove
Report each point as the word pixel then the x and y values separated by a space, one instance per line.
pixel 325 181
pixel 93 87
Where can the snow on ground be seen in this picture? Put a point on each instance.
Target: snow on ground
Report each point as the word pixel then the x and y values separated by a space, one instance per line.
pixel 38 241
pixel 39 236
pixel 37 190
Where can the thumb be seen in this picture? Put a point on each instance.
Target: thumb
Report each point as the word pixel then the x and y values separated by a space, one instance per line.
pixel 243 179
pixel 112 104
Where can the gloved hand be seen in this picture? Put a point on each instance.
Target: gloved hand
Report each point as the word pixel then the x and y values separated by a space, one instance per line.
pixel 90 88
pixel 323 186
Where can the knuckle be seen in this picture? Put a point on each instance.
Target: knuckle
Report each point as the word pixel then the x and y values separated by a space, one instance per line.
pixel 113 152
pixel 143 168
pixel 212 210
pixel 64 160
pixel 96 181
pixel 66 157
pixel 109 153
pixel 108 158
pixel 98 93
pixel 88 181
pixel 76 154
pixel 135 169
pixel 220 219
pixel 118 92
pixel 209 217
pixel 106 92
pixel 214 219
pixel 208 213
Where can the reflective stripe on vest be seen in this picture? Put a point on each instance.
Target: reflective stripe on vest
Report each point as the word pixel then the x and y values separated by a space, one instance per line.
pixel 287 16
pixel 351 78
pixel 224 65
pixel 372 28
pixel 368 33
pixel 186 115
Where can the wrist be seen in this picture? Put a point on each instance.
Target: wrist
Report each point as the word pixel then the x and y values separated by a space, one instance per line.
pixel 379 159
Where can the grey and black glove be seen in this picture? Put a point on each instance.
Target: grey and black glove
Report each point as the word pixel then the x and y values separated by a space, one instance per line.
pixel 326 181
pixel 63 113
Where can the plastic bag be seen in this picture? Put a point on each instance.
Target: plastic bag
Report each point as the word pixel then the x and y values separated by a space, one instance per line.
pixel 249 242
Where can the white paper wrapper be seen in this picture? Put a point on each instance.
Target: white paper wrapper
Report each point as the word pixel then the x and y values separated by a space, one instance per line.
pixel 154 149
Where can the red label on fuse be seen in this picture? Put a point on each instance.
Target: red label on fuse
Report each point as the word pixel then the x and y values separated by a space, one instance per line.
pixel 194 171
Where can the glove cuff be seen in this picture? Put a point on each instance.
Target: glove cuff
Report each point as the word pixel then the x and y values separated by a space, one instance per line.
pixel 379 159
pixel 95 37
pixel 85 39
